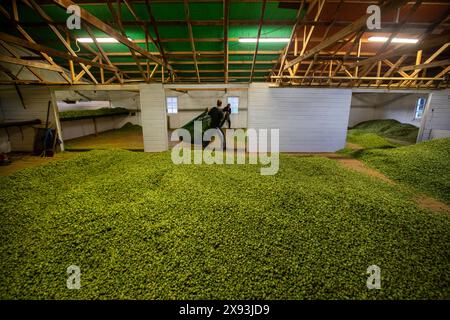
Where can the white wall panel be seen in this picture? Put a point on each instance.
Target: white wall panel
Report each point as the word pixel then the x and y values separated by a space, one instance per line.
pixel 309 120
pixel 436 120
pixel 36 100
pixel 154 118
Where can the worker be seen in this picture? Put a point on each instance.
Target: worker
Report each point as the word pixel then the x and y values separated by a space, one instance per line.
pixel 226 116
pixel 216 118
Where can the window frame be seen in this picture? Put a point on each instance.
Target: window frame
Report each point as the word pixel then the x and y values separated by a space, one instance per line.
pixel 236 109
pixel 170 108
pixel 420 108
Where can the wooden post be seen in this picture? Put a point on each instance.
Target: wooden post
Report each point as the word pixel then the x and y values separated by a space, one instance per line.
pixel 56 117
pixel 95 127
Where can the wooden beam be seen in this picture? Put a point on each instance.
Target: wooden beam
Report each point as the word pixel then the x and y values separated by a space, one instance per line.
pixel 8 73
pixel 438 76
pixel 100 49
pixel 298 19
pixel 28 63
pixel 411 11
pixel 58 34
pixel 422 66
pixel 226 16
pixel 37 47
pixel 404 49
pixel 117 17
pixel 82 72
pixel 387 8
pixel 362 78
pixel 158 38
pixel 310 32
pixel 71 64
pixel 392 65
pixel 153 71
pixel 30 39
pixel 88 17
pixel 432 57
pixel 191 37
pixel 143 25
pixel 261 20
pixel 102 74
pixel 13 53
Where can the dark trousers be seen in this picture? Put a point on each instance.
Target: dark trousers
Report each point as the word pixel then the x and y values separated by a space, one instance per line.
pixel 226 118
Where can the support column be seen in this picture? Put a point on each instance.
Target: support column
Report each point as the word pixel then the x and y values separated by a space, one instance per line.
pixel 154 117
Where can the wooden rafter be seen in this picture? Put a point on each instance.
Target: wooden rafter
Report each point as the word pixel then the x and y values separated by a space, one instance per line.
pixel 191 37
pixel 263 10
pixel 102 52
pixel 306 39
pixel 118 18
pixel 441 63
pixel 50 51
pixel 298 20
pixel 94 21
pixel 30 39
pixel 350 29
pixel 14 54
pixel 411 11
pixel 8 73
pixel 83 72
pixel 403 50
pixel 226 16
pixel 58 34
pixel 158 37
pixel 34 64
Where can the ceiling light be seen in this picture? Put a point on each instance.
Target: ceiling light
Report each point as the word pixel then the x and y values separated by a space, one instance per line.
pixel 272 40
pixel 99 40
pixel 395 40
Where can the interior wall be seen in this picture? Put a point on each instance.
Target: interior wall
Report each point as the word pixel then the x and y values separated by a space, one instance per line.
pixel 362 109
pixel 36 100
pixel 101 99
pixel 436 119
pixel 194 102
pixel 374 105
pixel 309 120
pixel 154 117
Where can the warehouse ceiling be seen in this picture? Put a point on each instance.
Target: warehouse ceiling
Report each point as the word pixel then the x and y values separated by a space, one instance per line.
pixel 201 42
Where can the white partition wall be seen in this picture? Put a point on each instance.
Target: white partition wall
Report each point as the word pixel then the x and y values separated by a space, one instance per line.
pixel 309 120
pixel 436 118
pixel 36 100
pixel 154 118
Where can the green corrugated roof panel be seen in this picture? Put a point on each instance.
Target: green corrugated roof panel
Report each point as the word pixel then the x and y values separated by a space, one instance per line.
pixel 211 11
pixel 199 11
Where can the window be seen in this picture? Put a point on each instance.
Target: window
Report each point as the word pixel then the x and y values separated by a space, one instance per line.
pixel 420 108
pixel 234 103
pixel 172 105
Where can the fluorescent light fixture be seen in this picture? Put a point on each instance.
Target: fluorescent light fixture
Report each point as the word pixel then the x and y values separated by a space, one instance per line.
pixel 99 40
pixel 395 40
pixel 271 40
